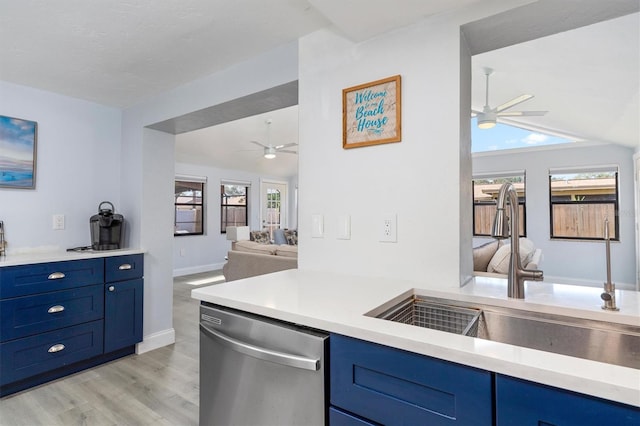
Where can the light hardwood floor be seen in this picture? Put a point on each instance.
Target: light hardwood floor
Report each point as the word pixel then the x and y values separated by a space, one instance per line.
pixel 160 387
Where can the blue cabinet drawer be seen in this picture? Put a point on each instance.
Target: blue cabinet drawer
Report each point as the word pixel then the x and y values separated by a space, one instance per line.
pixel 29 356
pixel 36 278
pixel 523 403
pixel 391 386
pixel 28 315
pixel 121 268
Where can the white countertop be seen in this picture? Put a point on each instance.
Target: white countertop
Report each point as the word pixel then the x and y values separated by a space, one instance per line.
pixel 60 255
pixel 337 304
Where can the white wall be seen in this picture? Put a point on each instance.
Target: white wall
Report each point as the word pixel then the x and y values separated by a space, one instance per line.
pixel 148 170
pixel 418 178
pixel 200 253
pixel 579 262
pixel 78 152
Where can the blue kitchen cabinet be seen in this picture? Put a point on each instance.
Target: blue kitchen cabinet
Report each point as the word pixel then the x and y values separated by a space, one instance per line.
pixel 123 301
pixel 58 318
pixel 523 403
pixel 378 384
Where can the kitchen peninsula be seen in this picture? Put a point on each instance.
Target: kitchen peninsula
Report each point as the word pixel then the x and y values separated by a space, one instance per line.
pixel 338 304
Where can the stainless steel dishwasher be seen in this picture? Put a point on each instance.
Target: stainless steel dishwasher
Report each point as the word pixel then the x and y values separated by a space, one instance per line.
pixel 258 371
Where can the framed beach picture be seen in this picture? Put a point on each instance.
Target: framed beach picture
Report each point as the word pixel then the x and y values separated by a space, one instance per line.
pixel 17 153
pixel 371 113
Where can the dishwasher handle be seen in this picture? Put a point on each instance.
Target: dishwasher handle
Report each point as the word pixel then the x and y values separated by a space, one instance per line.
pixel 263 353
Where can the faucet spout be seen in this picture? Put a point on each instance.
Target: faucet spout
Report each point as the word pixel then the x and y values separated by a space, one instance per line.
pixel 502 228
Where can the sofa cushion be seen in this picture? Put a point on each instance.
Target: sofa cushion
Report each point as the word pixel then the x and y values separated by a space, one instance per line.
pixel 483 254
pixel 500 261
pixel 261 237
pixel 287 250
pixel 278 237
pixel 254 247
pixel 292 236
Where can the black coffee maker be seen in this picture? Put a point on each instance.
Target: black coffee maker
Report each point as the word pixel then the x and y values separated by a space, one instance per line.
pixel 107 228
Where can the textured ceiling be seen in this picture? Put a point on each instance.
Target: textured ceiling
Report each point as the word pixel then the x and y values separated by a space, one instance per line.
pixel 118 52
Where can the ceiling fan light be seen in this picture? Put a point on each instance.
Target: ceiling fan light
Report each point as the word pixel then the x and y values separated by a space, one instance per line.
pixel 269 153
pixel 486 121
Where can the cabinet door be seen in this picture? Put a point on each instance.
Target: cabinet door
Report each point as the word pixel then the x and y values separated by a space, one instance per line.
pixel 522 403
pixel 122 314
pixel 392 386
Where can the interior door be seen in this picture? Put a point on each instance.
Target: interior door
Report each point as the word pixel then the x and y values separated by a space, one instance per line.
pixel 273 211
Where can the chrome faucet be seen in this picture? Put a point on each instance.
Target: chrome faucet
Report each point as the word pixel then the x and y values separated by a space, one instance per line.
pixel 609 294
pixel 504 226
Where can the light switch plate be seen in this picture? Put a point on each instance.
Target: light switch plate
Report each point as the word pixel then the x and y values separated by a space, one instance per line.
pixel 317 226
pixel 344 227
pixel 58 222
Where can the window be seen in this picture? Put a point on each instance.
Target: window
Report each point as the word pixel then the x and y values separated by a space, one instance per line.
pixel 581 200
pixel 189 207
pixel 485 193
pixel 233 205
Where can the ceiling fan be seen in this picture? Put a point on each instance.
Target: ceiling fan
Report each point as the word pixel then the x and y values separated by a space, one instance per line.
pixel 488 117
pixel 271 150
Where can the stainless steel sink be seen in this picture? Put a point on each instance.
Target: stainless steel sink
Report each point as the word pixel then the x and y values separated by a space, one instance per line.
pixel 602 341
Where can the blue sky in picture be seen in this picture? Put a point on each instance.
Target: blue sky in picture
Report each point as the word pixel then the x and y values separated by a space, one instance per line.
pixel 503 136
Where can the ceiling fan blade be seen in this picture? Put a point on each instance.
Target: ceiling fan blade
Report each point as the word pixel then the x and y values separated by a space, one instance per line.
pixel 287 151
pixel 513 102
pixel 259 144
pixel 521 113
pixel 285 145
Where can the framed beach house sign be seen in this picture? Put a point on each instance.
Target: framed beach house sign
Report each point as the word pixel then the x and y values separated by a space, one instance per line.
pixel 371 113
pixel 17 153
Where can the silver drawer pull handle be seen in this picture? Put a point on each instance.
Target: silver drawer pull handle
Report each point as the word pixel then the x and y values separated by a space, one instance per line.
pixel 56 276
pixel 56 348
pixel 54 309
pixel 124 267
pixel 111 288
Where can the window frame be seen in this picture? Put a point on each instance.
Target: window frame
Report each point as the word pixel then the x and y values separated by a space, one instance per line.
pixel 195 204
pixel 522 201
pixel 223 206
pixel 616 203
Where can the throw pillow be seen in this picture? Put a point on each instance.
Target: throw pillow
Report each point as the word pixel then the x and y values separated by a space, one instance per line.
pixel 500 261
pixel 292 237
pixel 261 237
pixel 278 237
pixel 482 255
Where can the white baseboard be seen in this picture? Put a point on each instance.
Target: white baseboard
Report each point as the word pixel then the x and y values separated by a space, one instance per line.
pixel 197 269
pixel 156 340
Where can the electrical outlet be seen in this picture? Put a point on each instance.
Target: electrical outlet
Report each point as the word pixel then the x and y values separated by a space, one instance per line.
pixel 389 228
pixel 58 222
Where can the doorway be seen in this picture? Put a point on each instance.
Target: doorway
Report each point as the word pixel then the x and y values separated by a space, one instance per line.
pixel 273 205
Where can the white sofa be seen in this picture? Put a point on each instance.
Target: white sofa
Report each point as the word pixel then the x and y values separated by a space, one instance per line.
pixel 251 258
